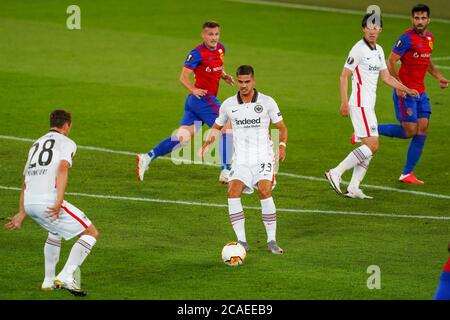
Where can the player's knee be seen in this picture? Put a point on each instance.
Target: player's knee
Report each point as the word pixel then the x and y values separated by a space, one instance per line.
pixel 233 193
pixel 410 130
pixel 92 231
pixel 265 193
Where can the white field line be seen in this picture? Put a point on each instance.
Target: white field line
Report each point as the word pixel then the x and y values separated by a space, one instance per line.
pixel 324 9
pixel 205 204
pixel 442 67
pixel 292 175
pixel 440 58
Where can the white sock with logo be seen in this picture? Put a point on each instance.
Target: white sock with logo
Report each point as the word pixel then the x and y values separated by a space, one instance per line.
pixel 269 217
pixel 52 249
pixel 79 252
pixel 359 171
pixel 355 157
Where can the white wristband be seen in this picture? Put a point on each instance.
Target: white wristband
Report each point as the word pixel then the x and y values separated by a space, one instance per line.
pixel 283 144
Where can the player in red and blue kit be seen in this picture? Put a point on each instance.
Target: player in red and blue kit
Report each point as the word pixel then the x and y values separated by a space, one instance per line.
pixel 413 49
pixel 201 106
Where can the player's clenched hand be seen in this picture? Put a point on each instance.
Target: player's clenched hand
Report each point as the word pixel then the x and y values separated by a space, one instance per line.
pixel 443 83
pixel 15 222
pixel 400 93
pixel 414 93
pixel 53 212
pixel 199 92
pixel 228 79
pixel 344 109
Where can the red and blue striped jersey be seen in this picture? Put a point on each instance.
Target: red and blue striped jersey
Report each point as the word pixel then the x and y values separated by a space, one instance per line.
pixel 207 65
pixel 415 51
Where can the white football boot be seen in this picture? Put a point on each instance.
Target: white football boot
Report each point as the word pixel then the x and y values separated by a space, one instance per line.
pixel 334 179
pixel 224 176
pixel 274 248
pixel 71 285
pixel 48 284
pixel 142 163
pixel 356 193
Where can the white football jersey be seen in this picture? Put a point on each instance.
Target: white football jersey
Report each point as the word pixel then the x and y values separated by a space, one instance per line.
pixel 365 63
pixel 42 166
pixel 250 123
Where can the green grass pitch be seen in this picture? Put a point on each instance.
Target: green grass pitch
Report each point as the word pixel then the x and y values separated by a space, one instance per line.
pixel 118 76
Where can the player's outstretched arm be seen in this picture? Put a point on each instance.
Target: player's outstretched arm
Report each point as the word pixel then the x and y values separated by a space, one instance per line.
pixel 227 78
pixel 214 132
pixel 281 126
pixel 186 82
pixel 443 82
pixel 346 73
pixel 62 177
pixel 394 83
pixel 16 221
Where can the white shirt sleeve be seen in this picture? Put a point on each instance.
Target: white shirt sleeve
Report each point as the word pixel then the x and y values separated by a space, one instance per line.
pixel 274 111
pixel 223 116
pixel 354 58
pixel 68 150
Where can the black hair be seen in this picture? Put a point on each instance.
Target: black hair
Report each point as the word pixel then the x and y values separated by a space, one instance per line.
pixel 59 117
pixel 245 70
pixel 211 24
pixel 420 8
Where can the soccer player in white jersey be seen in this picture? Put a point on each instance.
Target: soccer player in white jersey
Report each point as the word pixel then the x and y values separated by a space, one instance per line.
pixel 253 164
pixel 365 63
pixel 42 198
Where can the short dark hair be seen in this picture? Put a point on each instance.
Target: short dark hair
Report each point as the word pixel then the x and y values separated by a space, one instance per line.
pixel 366 18
pixel 420 8
pixel 59 117
pixel 211 24
pixel 245 69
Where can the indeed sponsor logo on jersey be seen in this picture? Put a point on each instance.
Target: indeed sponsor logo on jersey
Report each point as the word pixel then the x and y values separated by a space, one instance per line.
pixel 374 68
pixel 247 121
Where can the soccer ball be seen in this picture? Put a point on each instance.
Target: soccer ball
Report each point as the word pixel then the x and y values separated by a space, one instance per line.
pixel 234 254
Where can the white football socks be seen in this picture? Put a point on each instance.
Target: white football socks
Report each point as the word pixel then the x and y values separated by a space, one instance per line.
pixel 359 171
pixel 355 157
pixel 237 218
pixel 79 252
pixel 52 249
pixel 269 217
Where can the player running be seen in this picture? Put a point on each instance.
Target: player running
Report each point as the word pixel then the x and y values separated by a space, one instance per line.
pixel 253 165
pixel 413 49
pixel 365 63
pixel 42 198
pixel 206 62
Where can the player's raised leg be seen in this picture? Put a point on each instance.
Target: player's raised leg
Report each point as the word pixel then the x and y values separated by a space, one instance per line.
pixel 269 215
pixel 236 211
pixel 52 249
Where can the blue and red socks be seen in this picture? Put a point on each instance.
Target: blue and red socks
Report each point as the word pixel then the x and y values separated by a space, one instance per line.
pixel 414 152
pixel 443 289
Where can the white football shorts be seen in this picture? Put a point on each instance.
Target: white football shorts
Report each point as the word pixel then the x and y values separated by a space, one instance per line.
pixel 251 175
pixel 364 121
pixel 70 223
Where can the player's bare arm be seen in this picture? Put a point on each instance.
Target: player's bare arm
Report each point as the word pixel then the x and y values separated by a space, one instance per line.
pixel 16 221
pixel 391 64
pixel 61 183
pixel 214 132
pixel 281 126
pixel 346 73
pixel 443 82
pixel 394 83
pixel 186 81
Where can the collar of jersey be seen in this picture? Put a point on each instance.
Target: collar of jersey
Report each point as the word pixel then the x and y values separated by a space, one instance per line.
pixel 254 99
pixel 368 44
